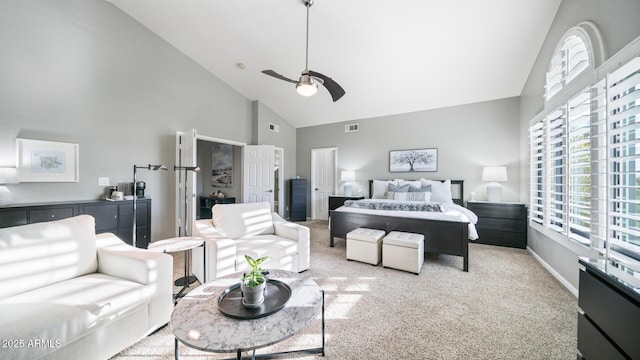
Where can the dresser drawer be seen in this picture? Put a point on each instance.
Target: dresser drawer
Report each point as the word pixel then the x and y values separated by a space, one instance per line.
pixel 511 225
pixel 615 314
pixel 498 210
pixel 13 218
pixel 594 345
pixel 41 215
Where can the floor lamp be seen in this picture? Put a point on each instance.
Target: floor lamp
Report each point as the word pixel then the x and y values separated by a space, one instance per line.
pixel 135 196
pixel 183 281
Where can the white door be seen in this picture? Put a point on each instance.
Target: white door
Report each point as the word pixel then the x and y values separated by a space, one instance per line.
pixel 185 181
pixel 323 180
pixel 258 173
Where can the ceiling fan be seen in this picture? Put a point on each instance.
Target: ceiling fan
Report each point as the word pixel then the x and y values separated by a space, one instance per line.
pixel 307 85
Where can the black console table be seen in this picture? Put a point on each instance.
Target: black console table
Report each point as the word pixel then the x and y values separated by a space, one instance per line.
pixel 609 316
pixel 207 202
pixel 111 216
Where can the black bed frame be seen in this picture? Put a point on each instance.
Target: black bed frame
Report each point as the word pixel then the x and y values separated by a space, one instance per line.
pixel 440 237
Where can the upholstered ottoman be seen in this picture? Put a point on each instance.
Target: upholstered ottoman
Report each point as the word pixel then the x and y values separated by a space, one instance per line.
pixel 403 251
pixel 365 245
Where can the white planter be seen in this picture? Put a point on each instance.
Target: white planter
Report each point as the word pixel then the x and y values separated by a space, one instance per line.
pixel 253 297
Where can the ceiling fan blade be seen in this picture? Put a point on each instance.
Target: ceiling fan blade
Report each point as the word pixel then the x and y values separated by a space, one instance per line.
pixel 278 76
pixel 335 90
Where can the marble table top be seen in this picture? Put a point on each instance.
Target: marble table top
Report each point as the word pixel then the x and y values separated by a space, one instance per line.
pixel 197 322
pixel 175 244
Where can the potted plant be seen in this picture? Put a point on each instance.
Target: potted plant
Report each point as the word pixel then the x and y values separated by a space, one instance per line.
pixel 253 283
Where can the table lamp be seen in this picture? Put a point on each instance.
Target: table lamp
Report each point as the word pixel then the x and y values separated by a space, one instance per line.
pixel 347 176
pixel 494 174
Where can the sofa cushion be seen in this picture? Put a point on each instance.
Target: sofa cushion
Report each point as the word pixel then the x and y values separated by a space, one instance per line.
pixel 47 253
pixel 68 310
pixel 265 245
pixel 240 220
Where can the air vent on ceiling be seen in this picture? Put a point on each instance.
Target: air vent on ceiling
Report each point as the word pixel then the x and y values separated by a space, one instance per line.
pixel 273 127
pixel 351 128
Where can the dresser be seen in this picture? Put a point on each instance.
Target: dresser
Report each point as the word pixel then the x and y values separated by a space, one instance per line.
pixel 502 224
pixel 111 216
pixel 609 314
pixel 207 202
pixel 298 200
pixel 335 201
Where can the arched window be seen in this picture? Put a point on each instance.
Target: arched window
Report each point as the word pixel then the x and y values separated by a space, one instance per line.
pixel 560 138
pixel 573 55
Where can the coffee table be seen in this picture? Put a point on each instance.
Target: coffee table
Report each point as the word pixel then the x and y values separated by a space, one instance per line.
pixel 197 322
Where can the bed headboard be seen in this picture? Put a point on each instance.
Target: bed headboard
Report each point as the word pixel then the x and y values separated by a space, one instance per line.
pixel 457 190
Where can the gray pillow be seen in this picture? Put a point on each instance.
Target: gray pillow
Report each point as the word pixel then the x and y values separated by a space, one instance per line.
pixel 396 188
pixel 426 188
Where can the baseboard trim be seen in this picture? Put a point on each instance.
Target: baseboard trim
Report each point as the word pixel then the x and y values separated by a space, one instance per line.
pixel 554 273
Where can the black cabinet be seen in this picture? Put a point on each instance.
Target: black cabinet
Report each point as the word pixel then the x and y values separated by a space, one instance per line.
pixel 609 316
pixel 298 200
pixel 335 201
pixel 502 224
pixel 207 202
pixel 111 216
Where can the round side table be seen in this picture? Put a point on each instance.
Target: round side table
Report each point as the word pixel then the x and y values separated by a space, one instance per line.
pixel 186 244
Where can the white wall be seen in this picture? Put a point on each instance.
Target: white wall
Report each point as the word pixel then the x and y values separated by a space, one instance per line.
pixel 468 137
pixel 82 71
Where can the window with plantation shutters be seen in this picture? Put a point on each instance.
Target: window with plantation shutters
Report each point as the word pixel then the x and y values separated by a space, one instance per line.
pixel 623 118
pixel 537 175
pixel 556 174
pixel 568 61
pixel 579 166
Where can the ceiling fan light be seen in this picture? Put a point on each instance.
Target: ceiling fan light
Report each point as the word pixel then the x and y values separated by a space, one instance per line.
pixel 307 89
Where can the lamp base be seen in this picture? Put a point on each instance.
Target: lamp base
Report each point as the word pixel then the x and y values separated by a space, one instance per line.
pixel 348 189
pixel 5 195
pixel 494 192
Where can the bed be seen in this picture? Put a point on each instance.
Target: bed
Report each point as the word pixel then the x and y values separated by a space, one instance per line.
pixel 448 237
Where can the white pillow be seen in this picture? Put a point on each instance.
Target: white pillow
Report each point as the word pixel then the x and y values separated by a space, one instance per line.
pixel 440 191
pixel 412 196
pixel 380 188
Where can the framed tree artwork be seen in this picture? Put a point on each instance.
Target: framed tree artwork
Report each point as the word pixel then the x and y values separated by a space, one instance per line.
pixel 413 160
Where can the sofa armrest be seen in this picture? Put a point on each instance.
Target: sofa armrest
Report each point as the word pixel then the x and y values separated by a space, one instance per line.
pixel 299 233
pixel 219 251
pixel 118 259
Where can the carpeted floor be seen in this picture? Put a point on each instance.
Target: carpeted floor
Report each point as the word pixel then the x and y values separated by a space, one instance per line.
pixel 506 307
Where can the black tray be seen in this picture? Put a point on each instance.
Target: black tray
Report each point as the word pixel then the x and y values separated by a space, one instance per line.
pixel 230 301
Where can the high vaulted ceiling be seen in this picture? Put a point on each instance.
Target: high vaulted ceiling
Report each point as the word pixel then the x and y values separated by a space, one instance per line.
pixel 391 57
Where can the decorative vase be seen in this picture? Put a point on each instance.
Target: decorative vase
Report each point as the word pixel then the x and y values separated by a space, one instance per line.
pixel 253 297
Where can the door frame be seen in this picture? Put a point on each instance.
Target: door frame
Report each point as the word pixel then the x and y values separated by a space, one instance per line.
pixel 191 190
pixel 313 173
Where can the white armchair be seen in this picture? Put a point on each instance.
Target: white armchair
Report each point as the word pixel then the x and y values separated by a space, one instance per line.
pixel 236 230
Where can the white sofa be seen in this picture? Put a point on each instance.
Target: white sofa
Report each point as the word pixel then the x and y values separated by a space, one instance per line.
pixel 236 230
pixel 67 293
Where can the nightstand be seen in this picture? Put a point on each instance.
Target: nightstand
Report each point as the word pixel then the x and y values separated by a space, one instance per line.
pixel 335 201
pixel 502 224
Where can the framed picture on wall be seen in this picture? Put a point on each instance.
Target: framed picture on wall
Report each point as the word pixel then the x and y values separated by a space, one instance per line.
pixel 222 165
pixel 413 160
pixel 47 161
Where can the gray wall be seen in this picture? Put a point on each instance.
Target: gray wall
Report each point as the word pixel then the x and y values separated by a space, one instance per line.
pixel 618 24
pixel 82 71
pixel 467 137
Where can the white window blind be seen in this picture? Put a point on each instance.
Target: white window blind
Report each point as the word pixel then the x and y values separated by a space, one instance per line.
pixel 557 169
pixel 579 169
pixel 623 111
pixel 569 60
pixel 537 191
pixel 599 172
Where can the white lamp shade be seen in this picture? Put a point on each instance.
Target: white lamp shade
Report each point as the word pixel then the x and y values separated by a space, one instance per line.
pixel 348 175
pixel 494 173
